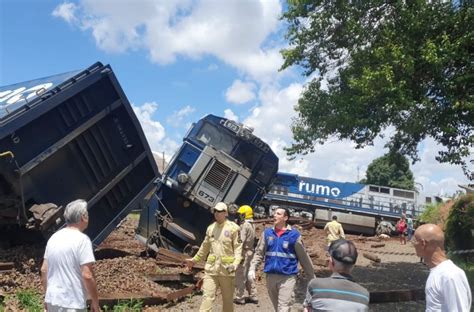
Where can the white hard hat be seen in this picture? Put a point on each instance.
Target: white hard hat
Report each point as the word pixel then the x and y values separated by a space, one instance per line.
pixel 220 207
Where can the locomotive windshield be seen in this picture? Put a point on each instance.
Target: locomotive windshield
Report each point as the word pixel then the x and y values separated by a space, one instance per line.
pixel 221 140
pixel 267 171
pixel 247 154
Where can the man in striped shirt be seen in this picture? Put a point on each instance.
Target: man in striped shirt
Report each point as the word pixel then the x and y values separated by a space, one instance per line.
pixel 338 292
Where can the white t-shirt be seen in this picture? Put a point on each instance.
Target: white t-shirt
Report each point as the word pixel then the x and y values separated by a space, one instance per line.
pixel 66 251
pixel 447 289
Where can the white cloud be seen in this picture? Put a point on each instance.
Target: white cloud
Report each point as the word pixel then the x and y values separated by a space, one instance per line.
pixel 234 31
pixel 176 119
pixel 240 92
pixel 229 114
pixel 436 178
pixel 339 160
pixel 66 11
pixel 154 131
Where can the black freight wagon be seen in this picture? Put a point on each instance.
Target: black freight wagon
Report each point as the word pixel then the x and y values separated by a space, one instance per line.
pixel 65 137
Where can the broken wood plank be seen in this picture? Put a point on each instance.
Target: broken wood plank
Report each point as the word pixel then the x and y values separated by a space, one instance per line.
pixel 371 257
pixel 397 295
pixel 377 245
pixel 172 254
pixel 374 239
pixel 170 263
pixel 197 266
pixel 7 266
pixel 179 277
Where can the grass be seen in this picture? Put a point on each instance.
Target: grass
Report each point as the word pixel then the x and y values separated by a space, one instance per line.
pixel 131 305
pixel 30 300
pixel 134 215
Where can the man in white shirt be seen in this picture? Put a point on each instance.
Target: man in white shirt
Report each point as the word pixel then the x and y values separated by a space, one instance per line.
pixel 67 273
pixel 447 288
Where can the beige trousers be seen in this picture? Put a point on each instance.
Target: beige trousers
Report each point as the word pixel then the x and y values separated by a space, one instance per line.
pixel 281 291
pixel 242 283
pixel 209 289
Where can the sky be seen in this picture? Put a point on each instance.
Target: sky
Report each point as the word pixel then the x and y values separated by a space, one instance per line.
pixel 180 60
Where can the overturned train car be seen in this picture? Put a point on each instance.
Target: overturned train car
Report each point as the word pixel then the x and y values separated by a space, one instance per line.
pixel 65 137
pixel 219 160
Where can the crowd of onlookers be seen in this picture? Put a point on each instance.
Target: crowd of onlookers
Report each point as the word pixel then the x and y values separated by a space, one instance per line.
pixel 232 259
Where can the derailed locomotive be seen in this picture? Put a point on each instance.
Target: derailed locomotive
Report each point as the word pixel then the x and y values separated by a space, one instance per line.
pixel 219 160
pixel 64 137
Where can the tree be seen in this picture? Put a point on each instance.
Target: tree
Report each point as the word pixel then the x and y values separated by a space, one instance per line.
pixel 460 223
pixel 407 65
pixel 393 170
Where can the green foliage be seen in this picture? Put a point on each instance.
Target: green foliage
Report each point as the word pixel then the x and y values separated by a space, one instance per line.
pixel 393 170
pixel 131 305
pixel 379 64
pixel 460 223
pixel 431 214
pixel 30 300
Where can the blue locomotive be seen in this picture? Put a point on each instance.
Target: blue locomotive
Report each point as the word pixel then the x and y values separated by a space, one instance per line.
pixel 357 205
pixel 219 160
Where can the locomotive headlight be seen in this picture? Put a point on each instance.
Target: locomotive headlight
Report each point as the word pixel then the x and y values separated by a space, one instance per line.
pixel 183 178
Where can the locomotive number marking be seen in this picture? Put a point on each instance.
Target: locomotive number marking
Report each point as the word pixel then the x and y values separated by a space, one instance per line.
pixel 206 196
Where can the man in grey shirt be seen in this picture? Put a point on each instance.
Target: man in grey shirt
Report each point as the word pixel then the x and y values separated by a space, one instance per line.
pixel 338 292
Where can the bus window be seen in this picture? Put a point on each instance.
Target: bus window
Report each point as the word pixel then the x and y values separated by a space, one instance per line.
pixel 210 135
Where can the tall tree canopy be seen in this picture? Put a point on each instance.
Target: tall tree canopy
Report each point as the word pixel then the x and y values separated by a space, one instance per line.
pixel 407 65
pixel 393 170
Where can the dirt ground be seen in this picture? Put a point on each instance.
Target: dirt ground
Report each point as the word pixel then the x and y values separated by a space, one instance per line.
pixel 121 269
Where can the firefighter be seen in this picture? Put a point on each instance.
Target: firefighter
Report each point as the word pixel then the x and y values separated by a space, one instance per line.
pixel 222 249
pixel 334 231
pixel 247 235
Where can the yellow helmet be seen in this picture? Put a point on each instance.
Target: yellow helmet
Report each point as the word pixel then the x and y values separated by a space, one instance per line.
pixel 246 210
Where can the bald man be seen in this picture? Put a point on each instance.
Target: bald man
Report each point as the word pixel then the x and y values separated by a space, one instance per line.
pixel 447 288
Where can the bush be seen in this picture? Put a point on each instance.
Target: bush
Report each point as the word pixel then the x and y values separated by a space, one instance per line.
pixel 459 225
pixel 431 214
